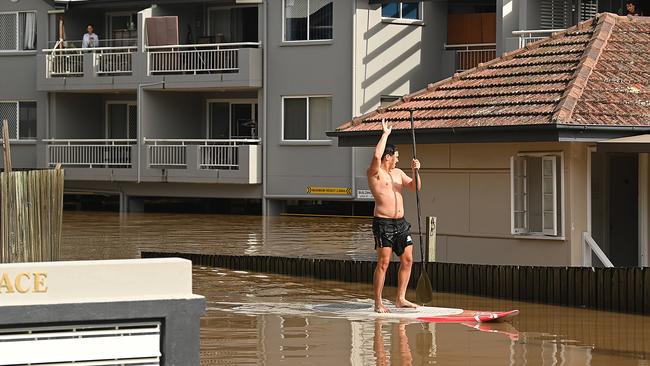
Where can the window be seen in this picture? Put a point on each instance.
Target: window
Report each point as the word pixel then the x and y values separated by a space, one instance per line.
pixel 536 194
pixel 18 31
pixel 21 118
pixel 121 120
pixel 402 10
pixel 308 20
pixel 232 120
pixel 306 118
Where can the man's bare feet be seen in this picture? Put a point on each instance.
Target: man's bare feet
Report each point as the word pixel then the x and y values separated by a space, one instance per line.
pixel 405 304
pixel 381 309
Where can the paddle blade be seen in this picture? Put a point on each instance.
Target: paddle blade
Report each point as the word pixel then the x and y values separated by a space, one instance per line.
pixel 423 290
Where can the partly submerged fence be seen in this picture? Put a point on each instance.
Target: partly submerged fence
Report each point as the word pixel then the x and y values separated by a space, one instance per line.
pixel 616 289
pixel 31 215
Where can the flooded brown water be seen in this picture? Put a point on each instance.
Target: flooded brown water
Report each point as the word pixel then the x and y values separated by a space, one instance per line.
pixel 265 319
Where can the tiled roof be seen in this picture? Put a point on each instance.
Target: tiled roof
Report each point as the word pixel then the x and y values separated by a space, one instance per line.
pixel 594 74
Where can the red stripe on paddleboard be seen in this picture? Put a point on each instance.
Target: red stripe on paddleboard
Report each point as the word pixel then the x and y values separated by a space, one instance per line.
pixel 469 316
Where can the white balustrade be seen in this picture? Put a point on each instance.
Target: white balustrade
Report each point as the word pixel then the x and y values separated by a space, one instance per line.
pixel 117 60
pixel 196 58
pixel 529 36
pixel 92 153
pixel 212 153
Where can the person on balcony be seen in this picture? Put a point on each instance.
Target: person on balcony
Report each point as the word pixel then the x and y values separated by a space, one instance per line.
pixel 632 8
pixel 90 40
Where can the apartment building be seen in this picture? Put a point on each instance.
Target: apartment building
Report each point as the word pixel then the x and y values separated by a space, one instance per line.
pixel 231 99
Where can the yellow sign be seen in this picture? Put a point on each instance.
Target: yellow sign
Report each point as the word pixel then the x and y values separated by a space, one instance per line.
pixel 23 282
pixel 329 190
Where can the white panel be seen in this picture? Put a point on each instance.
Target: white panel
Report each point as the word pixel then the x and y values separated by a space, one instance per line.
pixel 61 345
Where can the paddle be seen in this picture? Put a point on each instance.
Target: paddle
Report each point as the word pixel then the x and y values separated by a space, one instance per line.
pixel 423 290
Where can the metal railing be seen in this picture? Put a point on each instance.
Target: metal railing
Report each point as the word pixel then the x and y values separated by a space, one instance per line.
pixel 212 153
pixel 195 58
pixel 64 62
pixel 77 43
pixel 112 61
pixel 529 36
pixel 90 153
pixel 589 246
pixel 468 56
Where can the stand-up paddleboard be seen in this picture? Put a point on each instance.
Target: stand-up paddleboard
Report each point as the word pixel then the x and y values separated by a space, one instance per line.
pixel 469 316
pixel 421 313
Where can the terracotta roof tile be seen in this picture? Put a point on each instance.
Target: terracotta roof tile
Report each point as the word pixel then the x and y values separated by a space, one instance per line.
pixel 596 73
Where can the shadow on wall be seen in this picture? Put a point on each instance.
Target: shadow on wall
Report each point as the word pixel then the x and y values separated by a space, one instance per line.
pixel 382 52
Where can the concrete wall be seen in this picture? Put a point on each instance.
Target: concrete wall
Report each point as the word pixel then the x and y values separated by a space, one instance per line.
pixel 19 83
pixel 470 196
pixel 302 69
pixel 378 59
pixel 81 116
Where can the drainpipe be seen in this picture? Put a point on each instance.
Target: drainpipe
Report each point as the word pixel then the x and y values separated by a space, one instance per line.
pixel 140 105
pixel 354 96
pixel 265 140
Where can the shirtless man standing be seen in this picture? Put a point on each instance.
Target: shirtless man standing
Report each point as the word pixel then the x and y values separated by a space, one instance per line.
pixel 391 231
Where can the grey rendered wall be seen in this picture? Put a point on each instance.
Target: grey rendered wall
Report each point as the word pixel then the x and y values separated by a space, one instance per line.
pixel 174 115
pixel 395 59
pixel 81 115
pixel 18 82
pixel 307 69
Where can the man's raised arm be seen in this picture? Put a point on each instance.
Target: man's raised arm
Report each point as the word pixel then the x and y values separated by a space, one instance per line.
pixel 373 169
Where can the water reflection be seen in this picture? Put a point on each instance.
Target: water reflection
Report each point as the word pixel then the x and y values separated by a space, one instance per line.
pixel 270 321
pixel 102 235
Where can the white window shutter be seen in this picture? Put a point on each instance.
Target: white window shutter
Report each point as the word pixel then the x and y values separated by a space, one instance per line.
pixel 519 195
pixel 549 195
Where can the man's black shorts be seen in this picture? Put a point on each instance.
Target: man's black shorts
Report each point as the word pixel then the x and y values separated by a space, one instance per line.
pixel 393 233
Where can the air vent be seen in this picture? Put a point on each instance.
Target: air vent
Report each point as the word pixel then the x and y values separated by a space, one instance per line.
pixel 82 345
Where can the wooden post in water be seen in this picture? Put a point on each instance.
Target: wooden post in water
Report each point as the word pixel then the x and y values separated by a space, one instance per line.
pixel 431 223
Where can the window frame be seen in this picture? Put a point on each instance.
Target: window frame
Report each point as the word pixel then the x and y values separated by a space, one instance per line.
pixel 127 103
pixel 17 102
pixel 18 49
pixel 308 40
pixel 401 19
pixel 254 103
pixel 307 140
pixel 559 207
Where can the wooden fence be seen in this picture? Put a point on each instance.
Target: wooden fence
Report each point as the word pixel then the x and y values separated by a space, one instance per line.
pixel 615 289
pixel 31 215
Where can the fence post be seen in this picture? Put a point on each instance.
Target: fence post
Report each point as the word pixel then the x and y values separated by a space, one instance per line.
pixel 431 223
pixel 6 150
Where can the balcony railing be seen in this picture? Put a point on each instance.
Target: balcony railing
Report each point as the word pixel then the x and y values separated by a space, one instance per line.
pixel 468 56
pixel 212 153
pixel 529 36
pixel 195 58
pixel 90 153
pixel 114 61
pixel 66 62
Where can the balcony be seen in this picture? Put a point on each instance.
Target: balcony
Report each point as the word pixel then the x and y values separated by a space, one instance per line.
pixel 216 64
pixel 468 56
pixel 236 161
pixel 219 65
pixel 94 159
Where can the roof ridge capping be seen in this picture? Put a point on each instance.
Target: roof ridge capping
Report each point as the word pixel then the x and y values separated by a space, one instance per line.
pixel 604 25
